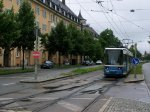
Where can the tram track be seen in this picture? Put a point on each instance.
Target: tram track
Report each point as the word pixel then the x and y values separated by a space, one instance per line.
pixel 80 89
pixel 8 102
pixel 106 88
pixel 42 84
pixel 99 96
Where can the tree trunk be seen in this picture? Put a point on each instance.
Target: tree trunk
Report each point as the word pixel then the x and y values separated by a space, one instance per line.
pixel 71 59
pixel 81 59
pixel 23 60
pixel 6 58
pixel 29 59
pixel 59 58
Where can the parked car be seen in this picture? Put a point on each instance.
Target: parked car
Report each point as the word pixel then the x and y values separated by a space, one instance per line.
pixel 98 62
pixel 87 62
pixel 47 64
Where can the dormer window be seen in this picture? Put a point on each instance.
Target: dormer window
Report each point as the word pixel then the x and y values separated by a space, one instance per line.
pixel 50 4
pixel 57 8
pixel 53 5
pixel 43 1
pixel 64 13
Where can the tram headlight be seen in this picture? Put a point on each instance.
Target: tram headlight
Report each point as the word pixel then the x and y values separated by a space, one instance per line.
pixel 107 68
pixel 119 68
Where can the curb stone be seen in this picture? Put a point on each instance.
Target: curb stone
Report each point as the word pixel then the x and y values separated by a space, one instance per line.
pixel 131 79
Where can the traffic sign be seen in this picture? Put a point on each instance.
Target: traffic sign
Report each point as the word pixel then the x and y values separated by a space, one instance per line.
pixel 135 61
pixel 36 54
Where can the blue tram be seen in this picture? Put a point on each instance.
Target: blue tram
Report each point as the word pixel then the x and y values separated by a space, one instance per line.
pixel 117 62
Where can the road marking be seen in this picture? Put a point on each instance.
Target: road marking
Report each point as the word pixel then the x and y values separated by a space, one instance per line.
pixel 1 99
pixel 49 98
pixel 82 98
pixel 105 105
pixel 8 84
pixel 19 77
pixel 14 111
pixel 70 106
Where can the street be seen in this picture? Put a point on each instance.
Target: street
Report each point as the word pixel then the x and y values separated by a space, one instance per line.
pixel 86 93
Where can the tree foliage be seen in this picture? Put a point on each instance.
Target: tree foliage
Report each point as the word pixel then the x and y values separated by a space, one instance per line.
pixel 1 6
pixel 73 41
pixel 108 39
pixel 9 32
pixel 26 21
pixel 132 49
pixel 75 36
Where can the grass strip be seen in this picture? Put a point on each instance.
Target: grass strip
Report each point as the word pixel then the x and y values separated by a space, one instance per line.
pixel 13 71
pixel 81 71
pixel 138 69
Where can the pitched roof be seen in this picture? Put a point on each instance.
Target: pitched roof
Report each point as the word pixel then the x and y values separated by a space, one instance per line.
pixel 80 16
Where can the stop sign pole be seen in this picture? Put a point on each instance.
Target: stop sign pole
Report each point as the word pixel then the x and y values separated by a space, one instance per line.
pixel 36 49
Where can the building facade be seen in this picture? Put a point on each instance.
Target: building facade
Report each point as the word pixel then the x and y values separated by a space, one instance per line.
pixel 47 14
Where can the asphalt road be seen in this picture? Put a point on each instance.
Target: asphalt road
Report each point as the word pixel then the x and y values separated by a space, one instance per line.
pixel 146 72
pixel 126 93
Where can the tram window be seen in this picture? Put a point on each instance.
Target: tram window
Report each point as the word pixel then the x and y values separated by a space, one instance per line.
pixel 125 60
pixel 114 57
pixel 120 58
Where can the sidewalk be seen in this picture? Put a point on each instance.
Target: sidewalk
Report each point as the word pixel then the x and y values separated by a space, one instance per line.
pixel 43 77
pixel 131 78
pixel 126 97
pixel 51 75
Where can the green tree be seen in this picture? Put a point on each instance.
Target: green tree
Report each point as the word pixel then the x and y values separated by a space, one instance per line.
pixel 88 44
pixel 49 43
pixel 9 32
pixel 58 40
pixel 26 20
pixel 132 49
pixel 1 5
pixel 108 39
pixel 76 46
pixel 98 51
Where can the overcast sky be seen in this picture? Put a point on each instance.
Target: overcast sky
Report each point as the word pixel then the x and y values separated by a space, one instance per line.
pixel 129 19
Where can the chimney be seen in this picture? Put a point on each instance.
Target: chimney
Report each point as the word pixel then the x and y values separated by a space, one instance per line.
pixel 63 1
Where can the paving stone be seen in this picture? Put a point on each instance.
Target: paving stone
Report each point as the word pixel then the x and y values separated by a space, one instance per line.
pixel 126 105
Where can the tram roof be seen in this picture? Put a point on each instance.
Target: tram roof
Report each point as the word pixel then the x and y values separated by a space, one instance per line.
pixel 125 50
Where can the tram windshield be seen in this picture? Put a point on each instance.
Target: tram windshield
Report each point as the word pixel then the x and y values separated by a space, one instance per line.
pixel 114 57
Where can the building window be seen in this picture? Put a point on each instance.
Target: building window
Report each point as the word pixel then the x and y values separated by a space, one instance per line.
pixel 53 18
pixel 19 2
pixel 37 10
pixel 44 13
pixel 43 1
pixel 44 27
pixel 0 51
pixel 53 5
pixel 50 4
pixel 17 52
pixel 38 24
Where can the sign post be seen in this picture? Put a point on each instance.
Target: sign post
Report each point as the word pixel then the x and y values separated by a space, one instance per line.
pixel 36 54
pixel 135 61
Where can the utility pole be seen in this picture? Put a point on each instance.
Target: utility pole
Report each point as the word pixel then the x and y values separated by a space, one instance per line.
pixel 135 57
pixel 126 42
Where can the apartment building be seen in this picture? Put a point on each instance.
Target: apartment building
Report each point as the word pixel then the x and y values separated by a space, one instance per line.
pixel 47 13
